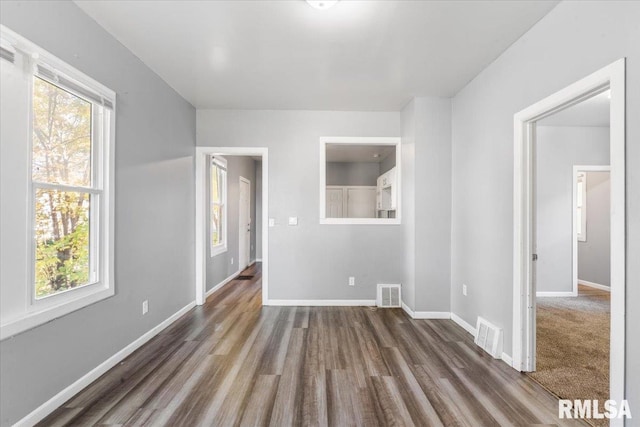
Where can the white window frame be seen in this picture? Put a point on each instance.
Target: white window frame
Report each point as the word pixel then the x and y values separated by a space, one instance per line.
pixel 220 162
pixel 348 140
pixel 37 311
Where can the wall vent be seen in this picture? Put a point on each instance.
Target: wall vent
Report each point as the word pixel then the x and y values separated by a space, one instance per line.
pixel 489 337
pixel 389 296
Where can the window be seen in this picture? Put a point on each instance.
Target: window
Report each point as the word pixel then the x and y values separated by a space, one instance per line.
pixel 218 208
pixel 581 206
pixel 57 208
pixel 360 180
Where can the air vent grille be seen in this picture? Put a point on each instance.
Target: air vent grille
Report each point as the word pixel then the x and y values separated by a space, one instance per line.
pixel 389 296
pixel 489 337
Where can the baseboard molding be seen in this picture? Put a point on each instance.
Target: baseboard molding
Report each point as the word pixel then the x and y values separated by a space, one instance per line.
pixel 252 262
pixel 221 284
pixel 423 315
pixel 555 294
pixel 59 399
pixel 507 359
pixel 594 285
pixel 322 302
pixel 461 322
pixel 258 259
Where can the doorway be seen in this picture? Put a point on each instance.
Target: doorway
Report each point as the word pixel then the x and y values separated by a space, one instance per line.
pixel 261 223
pixel 525 253
pixel 244 223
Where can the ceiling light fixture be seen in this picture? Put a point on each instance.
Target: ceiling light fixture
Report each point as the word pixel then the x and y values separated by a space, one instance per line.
pixel 321 4
pixel 376 155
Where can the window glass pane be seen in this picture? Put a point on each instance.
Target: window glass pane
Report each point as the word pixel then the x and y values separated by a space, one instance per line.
pixel 62 241
pixel 579 221
pixel 61 136
pixel 216 225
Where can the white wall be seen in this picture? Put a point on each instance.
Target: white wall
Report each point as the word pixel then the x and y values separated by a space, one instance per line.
pixel 594 254
pixel 558 149
pixel 311 261
pixel 572 41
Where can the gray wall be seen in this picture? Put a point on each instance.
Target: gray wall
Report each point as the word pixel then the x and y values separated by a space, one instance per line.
pixel 352 173
pixel 572 41
pixel 388 162
pixel 225 264
pixel 154 236
pixel 594 255
pixel 258 220
pixel 311 261
pixel 559 148
pixel 426 203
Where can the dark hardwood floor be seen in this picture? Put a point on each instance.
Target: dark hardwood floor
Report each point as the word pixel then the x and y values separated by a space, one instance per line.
pixel 234 362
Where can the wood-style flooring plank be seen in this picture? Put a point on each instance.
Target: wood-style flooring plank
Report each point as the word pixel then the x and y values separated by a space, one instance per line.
pixel 233 362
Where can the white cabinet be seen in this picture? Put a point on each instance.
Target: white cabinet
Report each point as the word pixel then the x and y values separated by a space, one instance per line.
pixel 350 201
pixel 386 191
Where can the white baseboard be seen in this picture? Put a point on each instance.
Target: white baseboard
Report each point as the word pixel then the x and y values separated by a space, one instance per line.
pixel 59 399
pixel 258 259
pixel 322 302
pixel 421 315
pixel 594 285
pixel 252 262
pixel 555 294
pixel 221 284
pixel 461 322
pixel 507 359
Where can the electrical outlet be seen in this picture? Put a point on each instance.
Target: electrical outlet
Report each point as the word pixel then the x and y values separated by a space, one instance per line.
pixel 231 260
pixel 464 289
pixel 352 281
pixel 145 306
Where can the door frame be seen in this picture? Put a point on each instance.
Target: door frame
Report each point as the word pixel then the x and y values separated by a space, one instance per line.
pixel 611 77
pixel 574 191
pixel 201 155
pixel 240 228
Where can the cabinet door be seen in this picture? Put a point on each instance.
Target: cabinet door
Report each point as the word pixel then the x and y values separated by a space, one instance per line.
pixel 334 203
pixel 361 202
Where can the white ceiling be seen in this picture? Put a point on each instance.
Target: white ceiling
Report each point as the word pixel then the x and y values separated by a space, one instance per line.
pixel 361 153
pixel 591 112
pixel 358 55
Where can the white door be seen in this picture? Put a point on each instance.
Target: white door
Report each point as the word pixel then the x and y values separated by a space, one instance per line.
pixel 334 202
pixel 244 235
pixel 361 202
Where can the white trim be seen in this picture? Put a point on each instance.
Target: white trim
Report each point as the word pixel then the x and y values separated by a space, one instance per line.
pixel 577 169
pixel 612 77
pixel 422 315
pixel 324 140
pixel 507 359
pixel 322 302
pixel 461 322
pixel 251 263
pixel 594 285
pixel 221 284
pixel 201 154
pixel 258 260
pixel 59 399
pixel 543 294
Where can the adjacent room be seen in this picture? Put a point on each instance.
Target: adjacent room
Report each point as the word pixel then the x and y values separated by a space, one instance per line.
pixel 319 212
pixel 573 270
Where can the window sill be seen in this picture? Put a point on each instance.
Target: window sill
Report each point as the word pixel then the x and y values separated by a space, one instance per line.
pixel 34 319
pixel 360 221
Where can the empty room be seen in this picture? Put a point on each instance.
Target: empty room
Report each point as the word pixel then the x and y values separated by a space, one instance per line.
pixel 319 212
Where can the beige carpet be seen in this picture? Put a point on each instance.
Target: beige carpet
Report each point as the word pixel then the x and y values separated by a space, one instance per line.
pixel 573 346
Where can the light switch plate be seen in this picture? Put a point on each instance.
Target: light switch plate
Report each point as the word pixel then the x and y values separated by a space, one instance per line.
pixel 272 222
pixel 293 220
